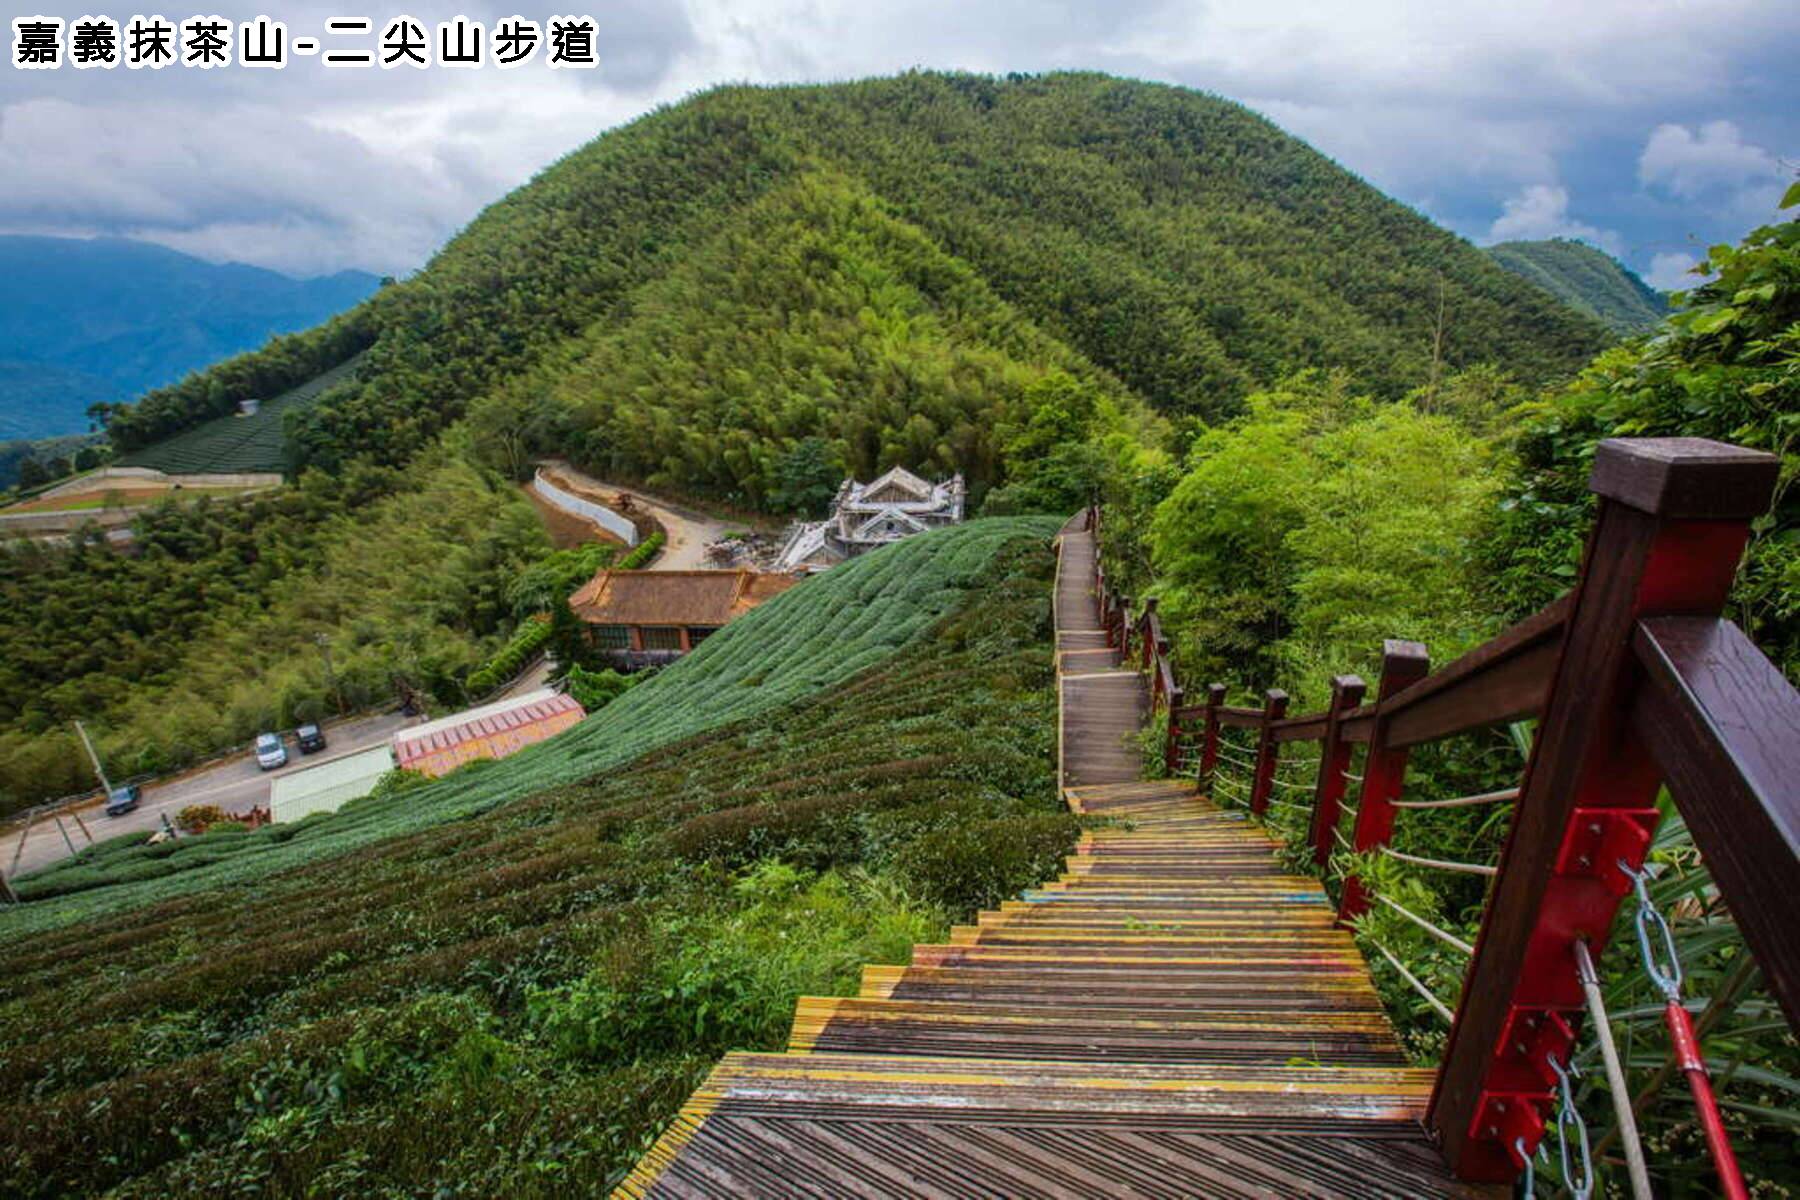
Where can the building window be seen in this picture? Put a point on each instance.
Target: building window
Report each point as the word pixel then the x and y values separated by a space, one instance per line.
pixel 611 637
pixel 699 633
pixel 661 637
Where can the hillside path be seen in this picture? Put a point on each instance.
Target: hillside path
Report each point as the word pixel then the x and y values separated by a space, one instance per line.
pixel 690 531
pixel 1175 1015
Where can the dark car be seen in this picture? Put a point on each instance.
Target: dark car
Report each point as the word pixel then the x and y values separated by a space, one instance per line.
pixel 122 800
pixel 311 739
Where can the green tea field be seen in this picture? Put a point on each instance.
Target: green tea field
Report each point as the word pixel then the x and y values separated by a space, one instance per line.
pixel 236 443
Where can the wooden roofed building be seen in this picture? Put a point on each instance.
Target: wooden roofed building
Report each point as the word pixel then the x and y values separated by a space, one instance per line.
pixel 644 618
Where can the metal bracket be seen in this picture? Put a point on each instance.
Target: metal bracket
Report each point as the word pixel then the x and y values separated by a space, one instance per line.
pixel 1600 838
pixel 1511 1119
pixel 1534 1037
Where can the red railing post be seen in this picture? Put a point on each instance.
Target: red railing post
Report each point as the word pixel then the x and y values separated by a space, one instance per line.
pixel 1172 739
pixel 1148 626
pixel 1673 520
pixel 1334 759
pixel 1209 746
pixel 1384 769
pixel 1275 702
pixel 1125 627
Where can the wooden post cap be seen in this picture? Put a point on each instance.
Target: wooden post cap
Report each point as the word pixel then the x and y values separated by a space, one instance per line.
pixel 1397 651
pixel 1685 478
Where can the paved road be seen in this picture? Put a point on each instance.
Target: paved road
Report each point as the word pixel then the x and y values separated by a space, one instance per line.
pixel 238 784
pixel 689 532
pixel 235 785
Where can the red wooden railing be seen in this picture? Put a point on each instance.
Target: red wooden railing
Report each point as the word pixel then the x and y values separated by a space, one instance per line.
pixel 1637 683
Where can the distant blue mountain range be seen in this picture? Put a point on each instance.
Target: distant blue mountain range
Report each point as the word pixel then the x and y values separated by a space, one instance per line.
pixel 107 319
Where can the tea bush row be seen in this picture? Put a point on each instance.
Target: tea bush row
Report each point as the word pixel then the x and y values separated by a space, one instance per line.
pixel 513 1003
pixel 808 639
pixel 235 443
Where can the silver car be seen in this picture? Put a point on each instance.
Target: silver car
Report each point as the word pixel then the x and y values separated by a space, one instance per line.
pixel 271 751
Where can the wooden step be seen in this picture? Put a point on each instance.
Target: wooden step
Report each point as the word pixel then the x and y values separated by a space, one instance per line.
pixel 1176 1014
pixel 832 1125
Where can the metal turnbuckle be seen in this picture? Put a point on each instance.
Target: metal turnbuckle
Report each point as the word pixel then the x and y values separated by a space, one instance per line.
pixel 1568 1120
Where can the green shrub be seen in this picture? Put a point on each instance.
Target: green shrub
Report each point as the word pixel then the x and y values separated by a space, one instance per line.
pixel 726 972
pixel 525 644
pixel 977 864
pixel 594 690
pixel 643 552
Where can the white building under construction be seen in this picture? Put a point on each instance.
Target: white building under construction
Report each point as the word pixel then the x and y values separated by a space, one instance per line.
pixel 867 515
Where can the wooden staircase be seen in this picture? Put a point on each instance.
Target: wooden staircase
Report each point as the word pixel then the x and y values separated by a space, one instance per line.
pixel 1175 1015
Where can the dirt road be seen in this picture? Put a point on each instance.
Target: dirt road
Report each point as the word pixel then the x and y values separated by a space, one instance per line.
pixel 234 785
pixel 690 532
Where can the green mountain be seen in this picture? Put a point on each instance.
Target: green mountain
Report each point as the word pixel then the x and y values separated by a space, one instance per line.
pixel 1586 279
pixel 91 320
pixel 734 299
pixel 1160 242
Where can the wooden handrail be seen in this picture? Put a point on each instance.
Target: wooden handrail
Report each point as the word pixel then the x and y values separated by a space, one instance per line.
pixel 1673 520
pixel 1637 682
pixel 1724 726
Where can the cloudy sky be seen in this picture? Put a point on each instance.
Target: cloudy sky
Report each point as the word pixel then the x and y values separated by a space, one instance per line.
pixel 1650 128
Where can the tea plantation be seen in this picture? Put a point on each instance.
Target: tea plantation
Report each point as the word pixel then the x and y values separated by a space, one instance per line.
pixel 255 443
pixel 809 638
pixel 512 1003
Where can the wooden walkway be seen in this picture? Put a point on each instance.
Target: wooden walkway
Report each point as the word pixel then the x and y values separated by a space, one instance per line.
pixel 1174 1016
pixel 1102 705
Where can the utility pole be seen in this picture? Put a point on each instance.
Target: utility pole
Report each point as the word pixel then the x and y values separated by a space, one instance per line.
pixel 67 840
pixel 105 787
pixel 324 641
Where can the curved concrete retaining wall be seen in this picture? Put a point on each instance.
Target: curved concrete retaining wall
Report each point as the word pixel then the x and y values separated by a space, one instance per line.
pixel 587 510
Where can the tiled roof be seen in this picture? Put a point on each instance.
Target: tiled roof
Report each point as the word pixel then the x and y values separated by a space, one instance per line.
pixel 707 598
pixel 492 731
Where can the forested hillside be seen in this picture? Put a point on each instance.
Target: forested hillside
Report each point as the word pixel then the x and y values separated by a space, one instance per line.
pixel 1586 279
pixel 740 298
pixel 1174 239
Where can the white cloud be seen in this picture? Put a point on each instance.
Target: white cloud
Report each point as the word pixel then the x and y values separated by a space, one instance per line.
pixel 1451 107
pixel 1693 164
pixel 1542 211
pixel 1669 272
